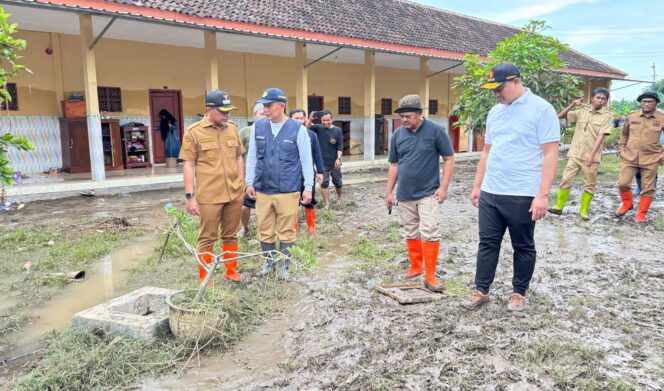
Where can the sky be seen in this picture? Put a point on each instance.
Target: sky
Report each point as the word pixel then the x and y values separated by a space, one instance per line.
pixel 623 34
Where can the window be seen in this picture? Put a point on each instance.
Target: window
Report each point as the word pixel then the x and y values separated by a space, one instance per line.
pixel 386 106
pixel 344 105
pixel 13 105
pixel 110 99
pixel 314 103
pixel 433 106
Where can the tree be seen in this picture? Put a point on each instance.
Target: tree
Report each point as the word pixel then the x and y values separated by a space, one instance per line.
pixel 9 46
pixel 538 58
pixel 623 107
pixel 659 88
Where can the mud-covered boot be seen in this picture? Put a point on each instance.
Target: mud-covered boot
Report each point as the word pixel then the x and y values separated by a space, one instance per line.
pixel 430 255
pixel 563 195
pixel 268 266
pixel 415 256
pixel 644 205
pixel 585 204
pixel 627 203
pixel 282 273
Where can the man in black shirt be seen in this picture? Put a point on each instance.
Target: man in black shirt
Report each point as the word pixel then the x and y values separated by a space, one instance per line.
pixel 415 151
pixel 331 143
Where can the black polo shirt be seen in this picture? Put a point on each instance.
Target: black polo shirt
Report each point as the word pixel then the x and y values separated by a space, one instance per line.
pixel 418 155
pixel 331 141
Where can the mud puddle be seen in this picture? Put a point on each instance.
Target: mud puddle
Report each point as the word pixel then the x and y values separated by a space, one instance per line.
pixel 101 284
pixel 257 358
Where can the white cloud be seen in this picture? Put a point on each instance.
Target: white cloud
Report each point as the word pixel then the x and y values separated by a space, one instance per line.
pixel 536 10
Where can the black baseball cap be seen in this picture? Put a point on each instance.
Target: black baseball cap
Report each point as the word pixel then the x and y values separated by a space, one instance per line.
pixel 219 100
pixel 649 94
pixel 499 74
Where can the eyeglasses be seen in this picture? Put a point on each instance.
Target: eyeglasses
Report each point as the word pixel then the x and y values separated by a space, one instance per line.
pixel 499 89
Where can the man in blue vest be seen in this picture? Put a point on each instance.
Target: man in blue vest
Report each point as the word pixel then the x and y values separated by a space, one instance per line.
pixel 279 157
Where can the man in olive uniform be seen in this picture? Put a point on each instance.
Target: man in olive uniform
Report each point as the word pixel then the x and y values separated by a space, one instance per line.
pixel 212 154
pixel 639 149
pixel 585 153
pixel 248 204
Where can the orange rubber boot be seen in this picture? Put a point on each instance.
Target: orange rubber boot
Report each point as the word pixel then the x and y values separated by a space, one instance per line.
pixel 430 253
pixel 415 255
pixel 205 257
pixel 230 252
pixel 627 203
pixel 644 205
pixel 310 214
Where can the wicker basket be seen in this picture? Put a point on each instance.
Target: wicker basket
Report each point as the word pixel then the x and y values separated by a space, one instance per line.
pixel 194 325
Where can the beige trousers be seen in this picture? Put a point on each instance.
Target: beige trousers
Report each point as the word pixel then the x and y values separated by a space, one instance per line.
pixel 276 215
pixel 213 216
pixel 573 167
pixel 648 174
pixel 420 219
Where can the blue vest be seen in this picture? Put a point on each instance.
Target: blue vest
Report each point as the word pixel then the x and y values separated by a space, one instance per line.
pixel 278 167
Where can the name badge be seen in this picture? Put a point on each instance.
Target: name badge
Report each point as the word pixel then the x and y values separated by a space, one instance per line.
pixel 289 141
pixel 656 123
pixel 333 141
pixel 260 137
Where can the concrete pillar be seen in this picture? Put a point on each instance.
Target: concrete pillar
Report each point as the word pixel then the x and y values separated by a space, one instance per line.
pixel 211 64
pixel 424 84
pixel 301 87
pixel 369 105
pixel 57 70
pixel 91 99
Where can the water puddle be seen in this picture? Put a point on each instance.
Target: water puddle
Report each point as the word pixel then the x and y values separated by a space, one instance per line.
pixel 258 355
pixel 106 276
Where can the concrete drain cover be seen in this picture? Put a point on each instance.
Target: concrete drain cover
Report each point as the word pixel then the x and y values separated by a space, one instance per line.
pixel 409 293
pixel 141 314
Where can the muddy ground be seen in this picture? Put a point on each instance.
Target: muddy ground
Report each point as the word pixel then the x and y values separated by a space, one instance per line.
pixel 593 321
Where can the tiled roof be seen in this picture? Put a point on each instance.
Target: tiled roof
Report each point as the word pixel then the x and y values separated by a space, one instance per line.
pixel 388 21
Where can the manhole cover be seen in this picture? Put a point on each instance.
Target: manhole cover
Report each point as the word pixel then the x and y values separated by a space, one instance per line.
pixel 408 293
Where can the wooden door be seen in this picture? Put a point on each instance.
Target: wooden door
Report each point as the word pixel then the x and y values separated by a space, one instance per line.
pixel 170 100
pixel 396 122
pixel 79 146
pixel 314 103
pixel 116 140
pixel 454 132
pixel 345 131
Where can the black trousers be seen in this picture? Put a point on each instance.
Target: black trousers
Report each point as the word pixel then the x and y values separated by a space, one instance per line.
pixel 496 214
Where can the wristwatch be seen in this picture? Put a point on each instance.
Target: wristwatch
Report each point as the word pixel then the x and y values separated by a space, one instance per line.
pixel 189 195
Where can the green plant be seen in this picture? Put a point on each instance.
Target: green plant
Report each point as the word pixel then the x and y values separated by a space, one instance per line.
pixel 623 107
pixel 537 56
pixel 9 46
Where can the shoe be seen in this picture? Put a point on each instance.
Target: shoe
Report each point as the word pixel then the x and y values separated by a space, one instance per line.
pixel 310 214
pixel 268 266
pixel 282 273
pixel 430 255
pixel 230 252
pixel 477 300
pixel 415 256
pixel 627 203
pixel 586 198
pixel 644 205
pixel 517 302
pixel 563 195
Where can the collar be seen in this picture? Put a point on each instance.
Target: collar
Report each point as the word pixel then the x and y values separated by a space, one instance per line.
pixel 647 116
pixel 523 98
pixel 206 123
pixel 603 110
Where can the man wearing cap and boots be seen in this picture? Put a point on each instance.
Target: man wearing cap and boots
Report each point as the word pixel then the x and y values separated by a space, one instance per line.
pixel 585 153
pixel 248 204
pixel 414 156
pixel 212 155
pixel 513 179
pixel 279 156
pixel 300 116
pixel 639 149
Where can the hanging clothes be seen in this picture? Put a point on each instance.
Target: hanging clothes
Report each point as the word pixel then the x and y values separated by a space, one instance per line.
pixel 168 128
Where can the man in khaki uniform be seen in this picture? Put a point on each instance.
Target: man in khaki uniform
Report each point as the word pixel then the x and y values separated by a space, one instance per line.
pixel 212 154
pixel 639 149
pixel 585 153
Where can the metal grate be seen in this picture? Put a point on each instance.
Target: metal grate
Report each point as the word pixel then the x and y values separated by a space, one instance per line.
pixel 433 106
pixel 344 105
pixel 386 106
pixel 110 99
